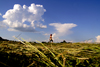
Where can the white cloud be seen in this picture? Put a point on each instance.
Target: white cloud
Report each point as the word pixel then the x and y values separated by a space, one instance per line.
pixel 0 14
pixel 98 39
pixel 15 18
pixel 53 35
pixel 63 29
pixel 41 26
pixel 87 41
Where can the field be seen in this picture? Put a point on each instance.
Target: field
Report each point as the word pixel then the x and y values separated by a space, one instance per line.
pixel 25 54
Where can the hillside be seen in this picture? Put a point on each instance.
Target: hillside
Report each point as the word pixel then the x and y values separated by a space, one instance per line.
pixel 1 39
pixel 16 54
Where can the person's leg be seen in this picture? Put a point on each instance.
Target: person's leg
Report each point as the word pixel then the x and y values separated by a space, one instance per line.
pixel 52 41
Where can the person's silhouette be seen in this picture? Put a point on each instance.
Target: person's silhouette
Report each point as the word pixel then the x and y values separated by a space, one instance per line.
pixel 51 40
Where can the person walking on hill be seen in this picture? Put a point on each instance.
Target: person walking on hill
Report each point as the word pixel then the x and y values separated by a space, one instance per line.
pixel 51 40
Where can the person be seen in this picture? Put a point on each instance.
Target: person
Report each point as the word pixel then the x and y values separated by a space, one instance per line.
pixel 51 40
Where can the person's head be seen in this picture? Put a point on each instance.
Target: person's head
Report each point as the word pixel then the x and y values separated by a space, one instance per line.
pixel 50 34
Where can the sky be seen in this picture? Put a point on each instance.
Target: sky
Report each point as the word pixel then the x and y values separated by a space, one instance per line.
pixel 70 20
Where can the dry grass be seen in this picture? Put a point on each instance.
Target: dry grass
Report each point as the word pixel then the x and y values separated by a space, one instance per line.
pixel 81 51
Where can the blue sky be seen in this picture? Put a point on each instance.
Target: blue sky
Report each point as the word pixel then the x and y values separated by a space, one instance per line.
pixel 70 20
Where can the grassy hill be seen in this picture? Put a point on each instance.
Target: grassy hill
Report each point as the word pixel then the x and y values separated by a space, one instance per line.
pixel 21 54
pixel 1 39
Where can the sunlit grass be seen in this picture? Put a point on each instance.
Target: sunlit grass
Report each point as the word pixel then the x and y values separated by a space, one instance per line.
pixel 54 54
pixel 47 60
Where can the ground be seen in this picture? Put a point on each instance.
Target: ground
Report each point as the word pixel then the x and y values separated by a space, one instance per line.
pixel 33 54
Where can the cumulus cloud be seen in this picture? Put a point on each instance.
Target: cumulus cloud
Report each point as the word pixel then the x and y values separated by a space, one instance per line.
pixel 15 18
pixel 98 39
pixel 63 29
pixel 0 14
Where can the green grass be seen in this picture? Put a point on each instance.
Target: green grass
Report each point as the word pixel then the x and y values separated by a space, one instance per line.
pixel 25 54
